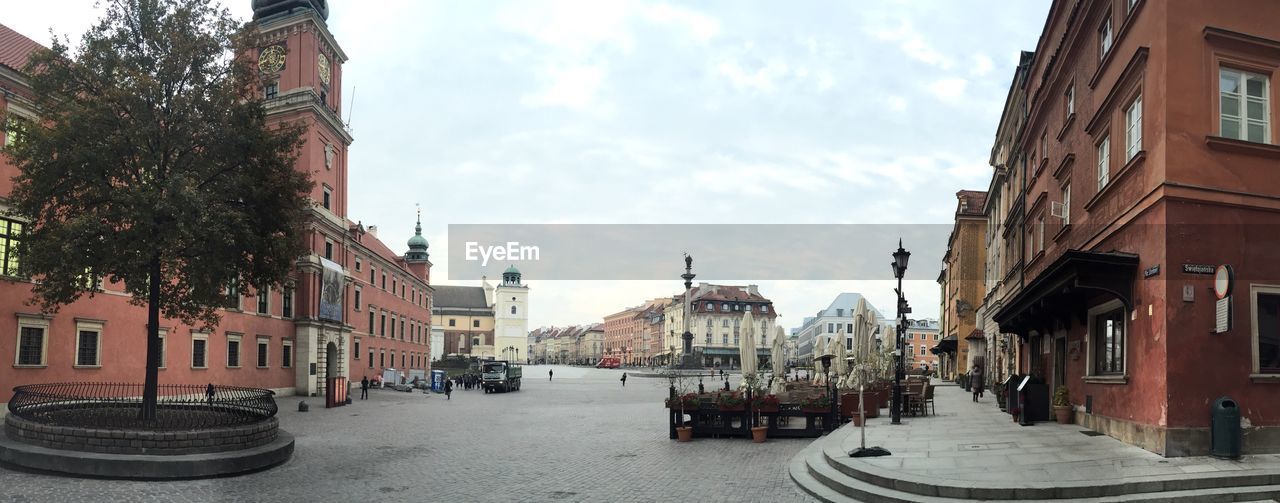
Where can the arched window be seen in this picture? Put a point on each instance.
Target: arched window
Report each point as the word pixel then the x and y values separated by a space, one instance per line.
pixel 513 309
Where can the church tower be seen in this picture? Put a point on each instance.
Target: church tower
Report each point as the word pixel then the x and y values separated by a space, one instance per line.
pixel 511 317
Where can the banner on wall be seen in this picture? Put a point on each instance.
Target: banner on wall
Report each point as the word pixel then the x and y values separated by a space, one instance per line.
pixel 331 285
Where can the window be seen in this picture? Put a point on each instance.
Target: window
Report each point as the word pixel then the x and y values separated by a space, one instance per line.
pixel 164 345
pixel 382 324
pixel 13 128
pixel 10 234
pixel 357 263
pixel 474 323
pixel 233 296
pixel 513 309
pixel 1044 146
pixel 452 322
pixel 402 334
pixel 1266 329
pixel 264 301
pixel 848 344
pixel 910 336
pixel 286 303
pixel 326 196
pixel 737 340
pixel 372 275
pixel 1245 113
pixel 356 304
pixel 764 309
pixel 724 308
pixel 1133 129
pixel 199 351
pixel 233 351
pixel 1104 37
pixel 1107 338
pixel 848 328
pixel 831 328
pixel 1104 162
pixel 394 280
pixel 1071 99
pixel 328 249
pixel 286 358
pixel 370 358
pixel 1040 233
pixel 272 89
pixel 393 326
pixel 382 358
pixel 88 345
pixel 384 281
pixel 263 344
pixel 402 362
pixel 32 343
pixel 725 339
pixel 1066 203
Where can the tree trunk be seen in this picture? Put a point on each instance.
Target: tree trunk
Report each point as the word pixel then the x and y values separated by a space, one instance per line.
pixel 151 386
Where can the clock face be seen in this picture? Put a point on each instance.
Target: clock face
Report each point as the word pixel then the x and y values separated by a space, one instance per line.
pixel 272 59
pixel 322 63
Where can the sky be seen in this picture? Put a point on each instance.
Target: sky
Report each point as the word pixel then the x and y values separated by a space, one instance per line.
pixel 633 112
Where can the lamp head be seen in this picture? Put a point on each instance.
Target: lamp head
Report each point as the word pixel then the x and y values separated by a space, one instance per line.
pixel 900 259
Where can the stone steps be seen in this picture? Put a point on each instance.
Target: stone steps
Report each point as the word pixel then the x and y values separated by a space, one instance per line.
pixel 825 471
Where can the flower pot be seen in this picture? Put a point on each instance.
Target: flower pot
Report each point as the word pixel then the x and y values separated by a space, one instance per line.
pixel 684 433
pixel 1063 413
pixel 856 420
pixel 758 433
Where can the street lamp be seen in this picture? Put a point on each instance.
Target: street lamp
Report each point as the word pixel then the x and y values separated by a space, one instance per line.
pixel 899 264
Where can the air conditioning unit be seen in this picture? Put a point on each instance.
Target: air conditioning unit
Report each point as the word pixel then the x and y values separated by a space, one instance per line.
pixel 1058 210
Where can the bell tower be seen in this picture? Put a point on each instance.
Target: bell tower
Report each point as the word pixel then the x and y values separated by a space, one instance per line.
pixel 300 64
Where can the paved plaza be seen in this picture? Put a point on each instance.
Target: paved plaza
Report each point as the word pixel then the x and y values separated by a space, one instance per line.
pixel 581 437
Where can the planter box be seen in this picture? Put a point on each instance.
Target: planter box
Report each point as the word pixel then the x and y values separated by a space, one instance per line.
pixel 738 408
pixel 822 410
pixel 767 408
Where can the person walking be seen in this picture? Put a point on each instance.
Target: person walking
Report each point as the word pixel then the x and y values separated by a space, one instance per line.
pixel 448 390
pixel 549 374
pixel 209 391
pixel 624 379
pixel 976 380
pixel 364 388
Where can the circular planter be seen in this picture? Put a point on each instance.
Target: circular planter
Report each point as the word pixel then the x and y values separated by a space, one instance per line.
pixel 1063 413
pixel 758 433
pixel 684 433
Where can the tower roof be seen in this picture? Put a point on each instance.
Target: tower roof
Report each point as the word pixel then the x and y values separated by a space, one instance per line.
pixel 417 243
pixel 511 269
pixel 271 8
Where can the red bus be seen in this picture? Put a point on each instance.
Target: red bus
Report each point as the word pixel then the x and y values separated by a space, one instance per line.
pixel 609 362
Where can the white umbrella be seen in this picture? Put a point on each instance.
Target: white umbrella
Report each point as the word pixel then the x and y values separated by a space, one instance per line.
pixel 838 365
pixel 779 365
pixel 747 348
pixel 862 326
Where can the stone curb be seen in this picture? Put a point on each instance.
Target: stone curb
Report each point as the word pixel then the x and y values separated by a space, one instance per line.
pixel 146 467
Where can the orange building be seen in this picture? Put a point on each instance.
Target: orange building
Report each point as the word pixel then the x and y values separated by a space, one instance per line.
pixel 293 339
pixel 1150 160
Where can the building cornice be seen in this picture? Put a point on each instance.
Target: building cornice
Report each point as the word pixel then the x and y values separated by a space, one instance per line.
pixel 305 99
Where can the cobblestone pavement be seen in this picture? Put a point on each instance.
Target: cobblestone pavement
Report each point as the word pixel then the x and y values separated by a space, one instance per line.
pixel 581 437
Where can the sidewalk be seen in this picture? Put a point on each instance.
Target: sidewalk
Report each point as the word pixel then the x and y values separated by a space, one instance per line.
pixel 973 450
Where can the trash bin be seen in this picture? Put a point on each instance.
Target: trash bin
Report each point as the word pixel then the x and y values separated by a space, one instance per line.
pixel 1224 424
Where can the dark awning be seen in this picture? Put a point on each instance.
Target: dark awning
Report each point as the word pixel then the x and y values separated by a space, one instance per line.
pixel 946 345
pixel 1065 288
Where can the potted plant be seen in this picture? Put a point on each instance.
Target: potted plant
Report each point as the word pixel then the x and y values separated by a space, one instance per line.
pixel 1015 412
pixel 680 397
pixel 1001 395
pixel 765 403
pixel 732 401
pixel 817 404
pixel 1062 404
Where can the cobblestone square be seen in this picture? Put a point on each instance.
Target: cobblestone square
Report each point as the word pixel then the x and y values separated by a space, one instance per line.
pixel 580 437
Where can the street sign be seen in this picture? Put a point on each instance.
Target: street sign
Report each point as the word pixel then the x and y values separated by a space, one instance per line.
pixel 1222 318
pixel 1151 271
pixel 1224 279
pixel 1198 268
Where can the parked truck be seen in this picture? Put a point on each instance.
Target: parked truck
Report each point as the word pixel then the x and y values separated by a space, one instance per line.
pixel 500 375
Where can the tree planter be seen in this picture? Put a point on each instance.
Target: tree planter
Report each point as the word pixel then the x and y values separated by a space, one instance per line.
pixel 684 433
pixel 758 433
pixel 1063 413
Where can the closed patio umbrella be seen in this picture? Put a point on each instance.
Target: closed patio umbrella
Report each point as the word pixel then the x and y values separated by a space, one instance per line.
pixel 779 363
pixel 747 347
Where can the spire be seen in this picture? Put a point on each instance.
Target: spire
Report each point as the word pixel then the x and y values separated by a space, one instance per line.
pixel 417 244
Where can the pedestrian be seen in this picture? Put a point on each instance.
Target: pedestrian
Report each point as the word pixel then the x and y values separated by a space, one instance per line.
pixel 209 391
pixel 448 390
pixel 549 374
pixel 726 385
pixel 624 379
pixel 364 388
pixel 976 380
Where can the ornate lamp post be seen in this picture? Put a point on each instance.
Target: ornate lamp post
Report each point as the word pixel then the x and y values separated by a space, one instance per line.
pixel 899 264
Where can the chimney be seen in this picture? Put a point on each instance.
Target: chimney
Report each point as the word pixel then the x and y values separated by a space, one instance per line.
pixel 373 230
pixel 753 289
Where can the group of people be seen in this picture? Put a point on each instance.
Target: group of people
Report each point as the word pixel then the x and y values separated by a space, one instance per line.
pixel 467 381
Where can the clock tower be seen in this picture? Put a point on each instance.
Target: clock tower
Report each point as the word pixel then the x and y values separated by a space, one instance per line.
pixel 300 65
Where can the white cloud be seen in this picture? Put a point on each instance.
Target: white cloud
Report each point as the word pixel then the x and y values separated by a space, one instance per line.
pixel 700 26
pixel 913 44
pixel 573 87
pixel 896 103
pixel 949 89
pixel 762 79
pixel 982 65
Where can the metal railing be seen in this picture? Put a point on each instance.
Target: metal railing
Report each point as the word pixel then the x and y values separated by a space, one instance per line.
pixel 118 405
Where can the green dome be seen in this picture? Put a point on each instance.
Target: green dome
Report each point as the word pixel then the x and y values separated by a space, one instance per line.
pixel 511 270
pixel 417 241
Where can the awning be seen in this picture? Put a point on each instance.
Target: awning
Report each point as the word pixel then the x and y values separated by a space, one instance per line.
pixel 1065 288
pixel 975 335
pixel 946 345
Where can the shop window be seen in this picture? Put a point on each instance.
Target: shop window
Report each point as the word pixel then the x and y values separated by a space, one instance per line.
pixel 1266 329
pixel 1107 338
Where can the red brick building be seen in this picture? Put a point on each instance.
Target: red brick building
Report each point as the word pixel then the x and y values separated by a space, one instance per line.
pixel 288 339
pixel 1151 156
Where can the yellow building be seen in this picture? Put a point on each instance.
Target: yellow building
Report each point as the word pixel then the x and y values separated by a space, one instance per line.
pixel 963 278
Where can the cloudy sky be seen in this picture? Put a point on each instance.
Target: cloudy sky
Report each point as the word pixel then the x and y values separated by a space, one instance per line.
pixel 711 112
